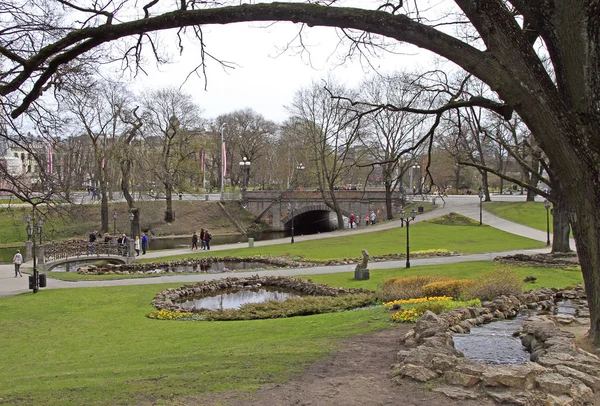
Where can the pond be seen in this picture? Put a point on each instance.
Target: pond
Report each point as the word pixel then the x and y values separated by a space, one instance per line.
pixel 7 253
pixel 216 267
pixel 493 343
pixel 234 299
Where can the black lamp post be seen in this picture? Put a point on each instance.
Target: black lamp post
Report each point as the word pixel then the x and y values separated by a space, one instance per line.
pixel 131 217
pixel 480 194
pixel 547 206
pixel 245 165
pixel 114 222
pixel 413 215
pixel 34 284
pixel 291 210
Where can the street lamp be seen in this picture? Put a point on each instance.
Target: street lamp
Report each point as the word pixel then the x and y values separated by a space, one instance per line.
pixel 413 215
pixel 39 228
pixel 245 165
pixel 547 206
pixel 222 129
pixel 131 217
pixel 291 210
pixel 412 188
pixel 114 222
pixel 480 194
pixel 33 281
pixel 300 168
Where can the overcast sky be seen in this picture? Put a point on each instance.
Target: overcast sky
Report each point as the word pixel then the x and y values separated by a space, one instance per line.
pixel 265 78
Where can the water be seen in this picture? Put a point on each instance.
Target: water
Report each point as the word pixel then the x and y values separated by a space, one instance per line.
pixel 7 254
pixel 233 300
pixel 493 343
pixel 567 307
pixel 221 266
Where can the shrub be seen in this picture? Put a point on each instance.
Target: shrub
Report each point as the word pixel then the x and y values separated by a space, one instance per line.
pixel 411 312
pixel 454 288
pixel 499 282
pixel 406 288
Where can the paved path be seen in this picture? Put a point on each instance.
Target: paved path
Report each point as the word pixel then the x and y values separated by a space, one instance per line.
pixel 466 205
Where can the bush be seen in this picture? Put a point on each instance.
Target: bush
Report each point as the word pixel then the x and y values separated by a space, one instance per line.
pixel 497 283
pixel 406 288
pixel 455 288
pixel 411 313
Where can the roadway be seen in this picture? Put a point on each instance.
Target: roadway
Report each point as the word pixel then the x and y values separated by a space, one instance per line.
pixel 465 205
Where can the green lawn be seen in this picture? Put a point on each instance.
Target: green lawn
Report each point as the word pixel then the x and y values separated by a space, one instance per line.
pixel 531 214
pixel 423 236
pixel 95 345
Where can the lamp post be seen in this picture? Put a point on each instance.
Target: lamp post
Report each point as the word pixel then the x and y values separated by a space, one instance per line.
pixel 480 194
pixel 300 168
pixel 413 215
pixel 31 236
pixel 222 129
pixel 114 222
pixel 547 206
pixel 245 165
pixel 131 217
pixel 412 188
pixel 291 210
pixel 39 229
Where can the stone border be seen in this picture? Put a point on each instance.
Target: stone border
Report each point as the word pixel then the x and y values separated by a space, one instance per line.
pixel 168 299
pixel 561 374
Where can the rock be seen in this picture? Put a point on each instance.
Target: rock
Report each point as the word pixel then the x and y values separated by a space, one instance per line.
pixel 554 383
pixel 458 378
pixel 521 377
pixel 562 400
pixel 417 372
pixel 510 397
pixel 456 393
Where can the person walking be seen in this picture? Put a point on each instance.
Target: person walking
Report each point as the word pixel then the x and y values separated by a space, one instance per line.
pixel 202 239
pixel 137 245
pixel 208 237
pixel 195 241
pixel 18 260
pixel 107 237
pixel 92 241
pixel 352 221
pixel 144 243
pixel 367 219
pixel 373 217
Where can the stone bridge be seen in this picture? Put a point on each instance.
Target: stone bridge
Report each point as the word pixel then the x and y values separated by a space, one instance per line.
pixel 274 206
pixel 62 252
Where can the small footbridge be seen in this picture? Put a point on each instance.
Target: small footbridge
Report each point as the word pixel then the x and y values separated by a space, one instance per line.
pixel 56 253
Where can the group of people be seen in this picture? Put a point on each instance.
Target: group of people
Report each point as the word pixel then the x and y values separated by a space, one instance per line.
pixel 139 244
pixel 369 219
pixel 204 239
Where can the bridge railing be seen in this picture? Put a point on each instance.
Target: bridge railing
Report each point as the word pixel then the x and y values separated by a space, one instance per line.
pixel 57 250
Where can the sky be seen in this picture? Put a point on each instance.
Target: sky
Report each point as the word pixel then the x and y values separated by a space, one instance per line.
pixel 265 78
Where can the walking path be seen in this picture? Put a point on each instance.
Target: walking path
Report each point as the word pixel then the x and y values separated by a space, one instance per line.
pixel 465 205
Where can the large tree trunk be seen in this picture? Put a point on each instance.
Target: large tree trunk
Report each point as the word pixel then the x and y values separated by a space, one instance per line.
pixel 169 217
pixel 388 200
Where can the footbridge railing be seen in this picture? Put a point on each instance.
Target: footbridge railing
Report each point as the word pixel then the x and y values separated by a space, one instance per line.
pixel 60 252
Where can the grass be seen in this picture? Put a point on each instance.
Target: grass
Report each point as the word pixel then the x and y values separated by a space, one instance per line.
pixel 531 214
pixel 423 236
pixel 547 277
pixel 96 345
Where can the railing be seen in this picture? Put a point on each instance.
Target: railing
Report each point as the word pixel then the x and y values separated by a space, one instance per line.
pixel 57 250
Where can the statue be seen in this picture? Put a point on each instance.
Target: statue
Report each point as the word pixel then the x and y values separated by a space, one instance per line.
pixel 361 272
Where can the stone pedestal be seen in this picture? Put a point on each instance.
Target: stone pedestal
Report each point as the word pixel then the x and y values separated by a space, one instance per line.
pixel 361 274
pixel 28 251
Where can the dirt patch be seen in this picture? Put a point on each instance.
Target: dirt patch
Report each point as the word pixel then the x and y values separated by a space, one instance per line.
pixel 557 260
pixel 358 373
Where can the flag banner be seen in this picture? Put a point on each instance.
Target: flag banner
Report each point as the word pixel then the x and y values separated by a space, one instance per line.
pixel 224 161
pixel 49 158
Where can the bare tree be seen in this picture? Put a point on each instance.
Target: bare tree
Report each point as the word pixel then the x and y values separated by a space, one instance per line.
pixel 171 118
pixel 330 126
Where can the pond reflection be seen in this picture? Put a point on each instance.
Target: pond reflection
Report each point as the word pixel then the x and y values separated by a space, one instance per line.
pixel 234 299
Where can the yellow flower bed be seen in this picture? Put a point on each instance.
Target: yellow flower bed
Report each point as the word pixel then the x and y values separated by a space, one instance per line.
pixel 168 315
pixel 417 300
pixel 406 316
